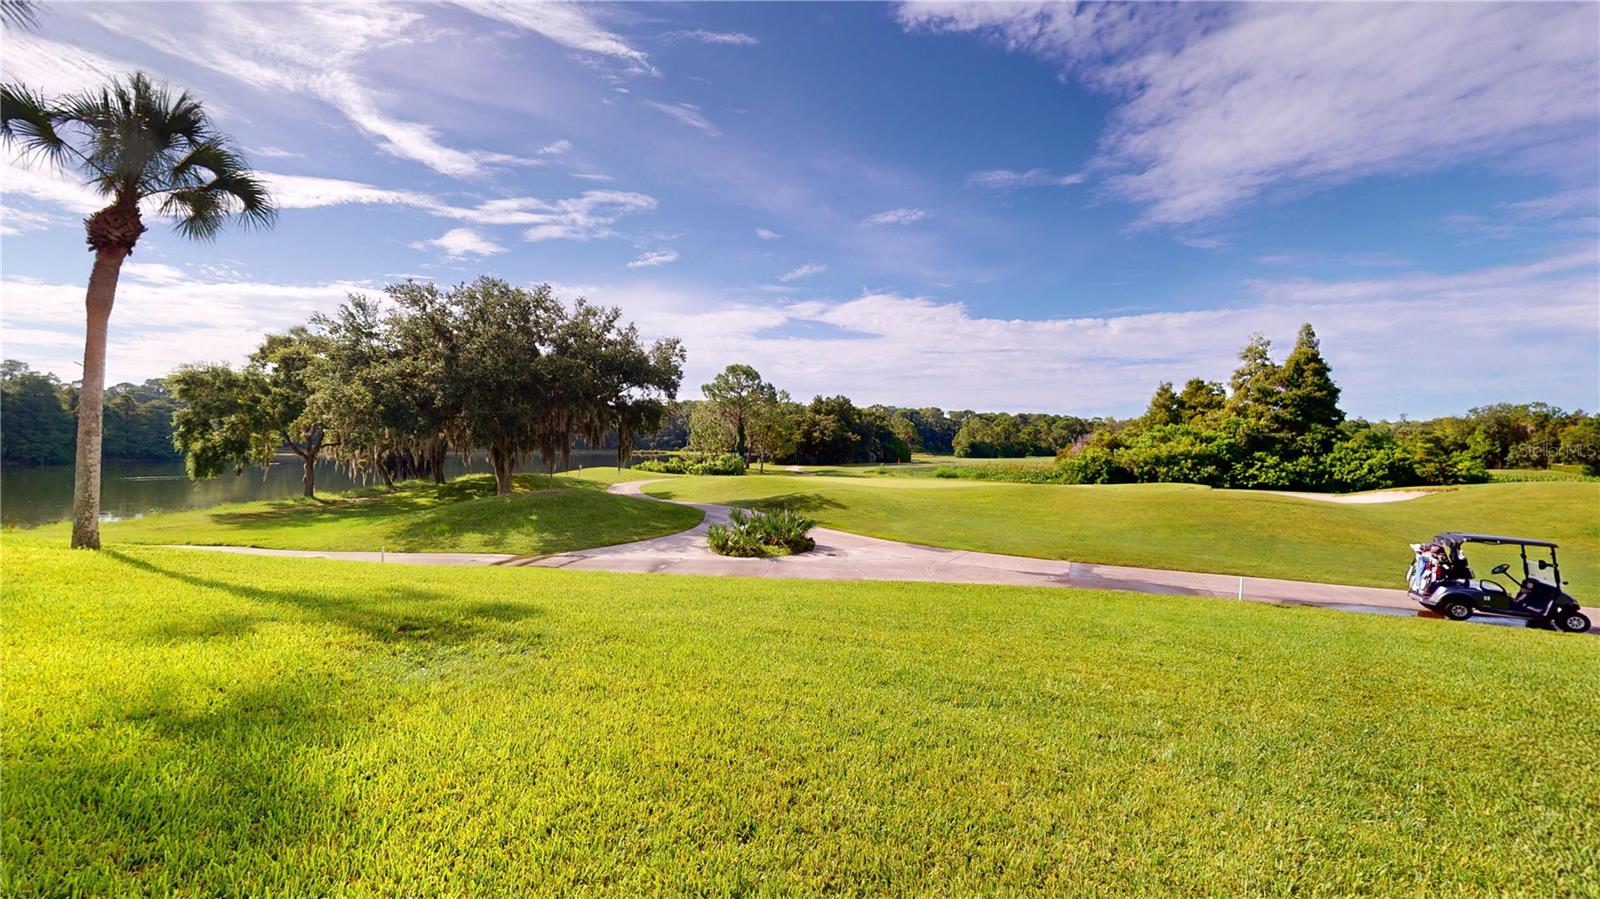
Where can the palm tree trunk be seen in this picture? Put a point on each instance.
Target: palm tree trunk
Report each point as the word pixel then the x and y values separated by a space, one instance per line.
pixel 86 482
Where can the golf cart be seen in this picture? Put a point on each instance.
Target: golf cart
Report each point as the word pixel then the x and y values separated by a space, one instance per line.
pixel 1441 580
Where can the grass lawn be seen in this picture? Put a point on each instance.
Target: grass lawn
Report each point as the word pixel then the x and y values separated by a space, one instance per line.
pixel 177 722
pixel 545 515
pixel 1180 526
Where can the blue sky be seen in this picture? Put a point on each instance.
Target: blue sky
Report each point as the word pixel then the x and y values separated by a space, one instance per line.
pixel 1023 207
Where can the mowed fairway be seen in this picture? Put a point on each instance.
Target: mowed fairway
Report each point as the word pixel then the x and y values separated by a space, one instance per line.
pixel 175 722
pixel 544 515
pixel 1178 526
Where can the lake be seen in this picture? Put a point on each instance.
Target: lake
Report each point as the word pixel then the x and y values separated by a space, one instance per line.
pixel 30 496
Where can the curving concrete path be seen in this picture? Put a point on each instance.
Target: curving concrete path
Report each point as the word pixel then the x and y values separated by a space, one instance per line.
pixel 844 556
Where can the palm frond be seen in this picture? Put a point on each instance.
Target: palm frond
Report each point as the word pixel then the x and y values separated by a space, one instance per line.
pixel 136 138
pixel 28 120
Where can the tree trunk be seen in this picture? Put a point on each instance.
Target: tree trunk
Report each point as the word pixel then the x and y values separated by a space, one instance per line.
pixel 503 463
pixel 309 479
pixel 436 462
pixel 86 481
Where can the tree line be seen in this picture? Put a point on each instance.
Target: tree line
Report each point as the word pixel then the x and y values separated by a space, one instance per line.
pixel 390 389
pixel 833 430
pixel 1279 425
pixel 37 418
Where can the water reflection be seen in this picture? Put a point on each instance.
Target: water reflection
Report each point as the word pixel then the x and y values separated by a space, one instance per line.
pixel 31 496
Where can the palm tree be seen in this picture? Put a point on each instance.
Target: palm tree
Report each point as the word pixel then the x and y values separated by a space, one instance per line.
pixel 138 144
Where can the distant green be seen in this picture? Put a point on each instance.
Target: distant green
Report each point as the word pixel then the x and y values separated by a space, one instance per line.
pixel 1178 526
pixel 545 515
pixel 176 722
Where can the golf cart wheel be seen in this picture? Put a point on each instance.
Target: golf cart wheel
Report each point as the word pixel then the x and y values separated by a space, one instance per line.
pixel 1573 622
pixel 1455 610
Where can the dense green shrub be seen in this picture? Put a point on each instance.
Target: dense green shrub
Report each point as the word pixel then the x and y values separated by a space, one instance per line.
pixel 725 464
pixel 1014 474
pixel 778 532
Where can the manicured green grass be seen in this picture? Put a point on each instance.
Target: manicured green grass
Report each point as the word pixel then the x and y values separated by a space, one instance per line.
pixel 545 515
pixel 178 722
pixel 1181 527
pixel 1553 473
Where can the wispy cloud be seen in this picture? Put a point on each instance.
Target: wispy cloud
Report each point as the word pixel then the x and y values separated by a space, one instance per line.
pixel 896 217
pixel 714 37
pixel 568 24
pixel 804 271
pixel 688 114
pixel 459 243
pixel 765 234
pixel 584 217
pixel 1006 179
pixel 921 351
pixel 312 49
pixel 654 258
pixel 556 149
pixel 1220 104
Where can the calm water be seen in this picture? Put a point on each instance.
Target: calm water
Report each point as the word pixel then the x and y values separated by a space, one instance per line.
pixel 31 496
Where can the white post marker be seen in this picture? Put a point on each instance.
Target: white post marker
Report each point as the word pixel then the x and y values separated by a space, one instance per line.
pixel 1241 588
pixel 381 549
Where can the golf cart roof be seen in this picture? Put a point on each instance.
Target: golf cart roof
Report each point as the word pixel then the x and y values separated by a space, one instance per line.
pixel 1454 538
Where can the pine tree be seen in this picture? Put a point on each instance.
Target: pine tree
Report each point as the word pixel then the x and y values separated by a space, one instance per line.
pixel 1310 399
pixel 1165 408
pixel 1255 382
pixel 1200 398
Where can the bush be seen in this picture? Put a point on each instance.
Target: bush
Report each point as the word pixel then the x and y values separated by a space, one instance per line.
pixel 1014 474
pixel 725 464
pixel 1368 460
pixel 779 532
pixel 1091 465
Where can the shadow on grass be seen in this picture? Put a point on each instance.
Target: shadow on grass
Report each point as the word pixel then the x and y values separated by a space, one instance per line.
pixel 198 780
pixel 799 502
pixel 407 498
pixel 554 521
pixel 214 792
pixel 380 624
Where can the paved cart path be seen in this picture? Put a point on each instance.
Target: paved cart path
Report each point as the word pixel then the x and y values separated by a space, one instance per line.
pixel 844 556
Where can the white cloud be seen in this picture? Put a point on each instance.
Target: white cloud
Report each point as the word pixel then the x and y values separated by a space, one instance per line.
pixel 14 221
pixel 36 179
pixel 314 49
pixel 765 234
pixel 459 243
pixel 1220 104
pixel 1006 179
pixel 153 272
pixel 654 258
pixel 1539 316
pixel 896 217
pixel 804 271
pixel 567 24
pixel 555 149
pixel 911 350
pixel 581 218
pixel 54 68
pixel 308 192
pixel 159 322
pixel 584 217
pixel 688 114
pixel 715 37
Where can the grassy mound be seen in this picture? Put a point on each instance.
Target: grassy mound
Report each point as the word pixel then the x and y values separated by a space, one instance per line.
pixel 544 515
pixel 182 722
pixel 1182 527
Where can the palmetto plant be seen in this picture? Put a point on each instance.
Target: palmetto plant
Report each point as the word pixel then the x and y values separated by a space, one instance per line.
pixel 139 145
